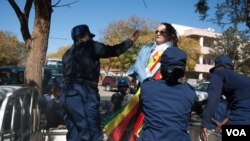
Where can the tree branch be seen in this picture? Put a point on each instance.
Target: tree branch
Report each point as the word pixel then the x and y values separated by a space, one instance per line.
pixel 53 5
pixel 27 8
pixel 248 14
pixel 22 17
pixel 145 4
pixel 16 9
pixel 63 5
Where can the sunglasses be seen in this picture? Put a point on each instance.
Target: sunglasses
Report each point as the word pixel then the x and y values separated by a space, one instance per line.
pixel 162 32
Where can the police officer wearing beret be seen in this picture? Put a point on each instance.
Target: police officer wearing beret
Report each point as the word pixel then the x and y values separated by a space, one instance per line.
pixel 121 97
pixel 167 103
pixel 234 86
pixel 81 70
pixel 50 106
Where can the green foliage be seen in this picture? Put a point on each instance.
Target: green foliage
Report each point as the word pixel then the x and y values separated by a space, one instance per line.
pixel 12 52
pixel 120 30
pixel 22 53
pixel 235 44
pixel 192 48
pixel 60 52
pixel 235 40
pixel 202 8
pixel 232 12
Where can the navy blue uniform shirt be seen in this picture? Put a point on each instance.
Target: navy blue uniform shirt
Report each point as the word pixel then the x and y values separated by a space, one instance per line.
pixel 167 110
pixel 53 111
pixel 236 88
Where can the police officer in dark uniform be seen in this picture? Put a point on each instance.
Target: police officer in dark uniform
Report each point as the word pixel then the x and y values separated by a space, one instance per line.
pixel 50 106
pixel 167 103
pixel 234 86
pixel 81 70
pixel 120 98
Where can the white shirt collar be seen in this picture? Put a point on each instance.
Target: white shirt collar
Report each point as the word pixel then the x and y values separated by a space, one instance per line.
pixel 162 46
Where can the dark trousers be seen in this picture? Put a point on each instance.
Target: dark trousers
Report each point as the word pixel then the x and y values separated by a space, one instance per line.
pixel 82 117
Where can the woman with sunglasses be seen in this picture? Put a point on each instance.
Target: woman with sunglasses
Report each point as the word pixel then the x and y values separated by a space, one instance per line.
pixel 147 65
pixel 165 36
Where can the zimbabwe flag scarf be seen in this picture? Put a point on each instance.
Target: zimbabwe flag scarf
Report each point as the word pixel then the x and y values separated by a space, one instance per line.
pixel 117 123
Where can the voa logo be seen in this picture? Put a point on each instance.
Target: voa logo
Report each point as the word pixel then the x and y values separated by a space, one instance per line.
pixel 236 132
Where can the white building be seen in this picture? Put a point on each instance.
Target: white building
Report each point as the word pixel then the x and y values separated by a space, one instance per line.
pixel 206 38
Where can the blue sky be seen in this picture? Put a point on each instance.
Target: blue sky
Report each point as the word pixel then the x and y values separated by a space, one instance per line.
pixel 99 13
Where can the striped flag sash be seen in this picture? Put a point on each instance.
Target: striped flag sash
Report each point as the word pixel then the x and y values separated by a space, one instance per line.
pixel 117 123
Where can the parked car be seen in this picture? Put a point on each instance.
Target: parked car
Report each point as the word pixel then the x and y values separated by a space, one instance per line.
pixel 11 75
pixel 195 119
pixel 54 63
pixel 201 91
pixel 110 83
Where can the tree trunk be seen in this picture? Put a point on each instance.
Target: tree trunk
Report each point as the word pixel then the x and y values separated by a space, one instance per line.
pixel 38 46
pixel 37 54
pixel 37 42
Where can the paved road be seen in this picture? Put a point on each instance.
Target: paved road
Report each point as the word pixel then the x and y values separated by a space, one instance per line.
pixel 105 95
pixel 105 102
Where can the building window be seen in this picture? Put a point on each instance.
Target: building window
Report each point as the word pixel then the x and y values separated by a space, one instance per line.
pixel 207 60
pixel 208 42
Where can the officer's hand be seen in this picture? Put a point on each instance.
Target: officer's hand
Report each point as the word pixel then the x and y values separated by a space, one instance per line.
pixel 135 35
pixel 204 134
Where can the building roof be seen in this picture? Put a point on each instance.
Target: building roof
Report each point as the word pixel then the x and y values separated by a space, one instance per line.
pixel 193 31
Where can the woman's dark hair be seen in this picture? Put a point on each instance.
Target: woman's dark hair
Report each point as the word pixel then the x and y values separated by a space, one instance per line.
pixel 171 32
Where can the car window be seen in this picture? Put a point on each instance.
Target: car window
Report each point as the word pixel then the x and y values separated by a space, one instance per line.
pixel 202 87
pixel 11 75
pixel 4 77
pixel 17 78
pixel 15 75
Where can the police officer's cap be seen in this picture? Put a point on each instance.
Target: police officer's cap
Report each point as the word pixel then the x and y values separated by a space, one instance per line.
pixel 80 30
pixel 222 60
pixel 173 57
pixel 122 82
pixel 55 82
